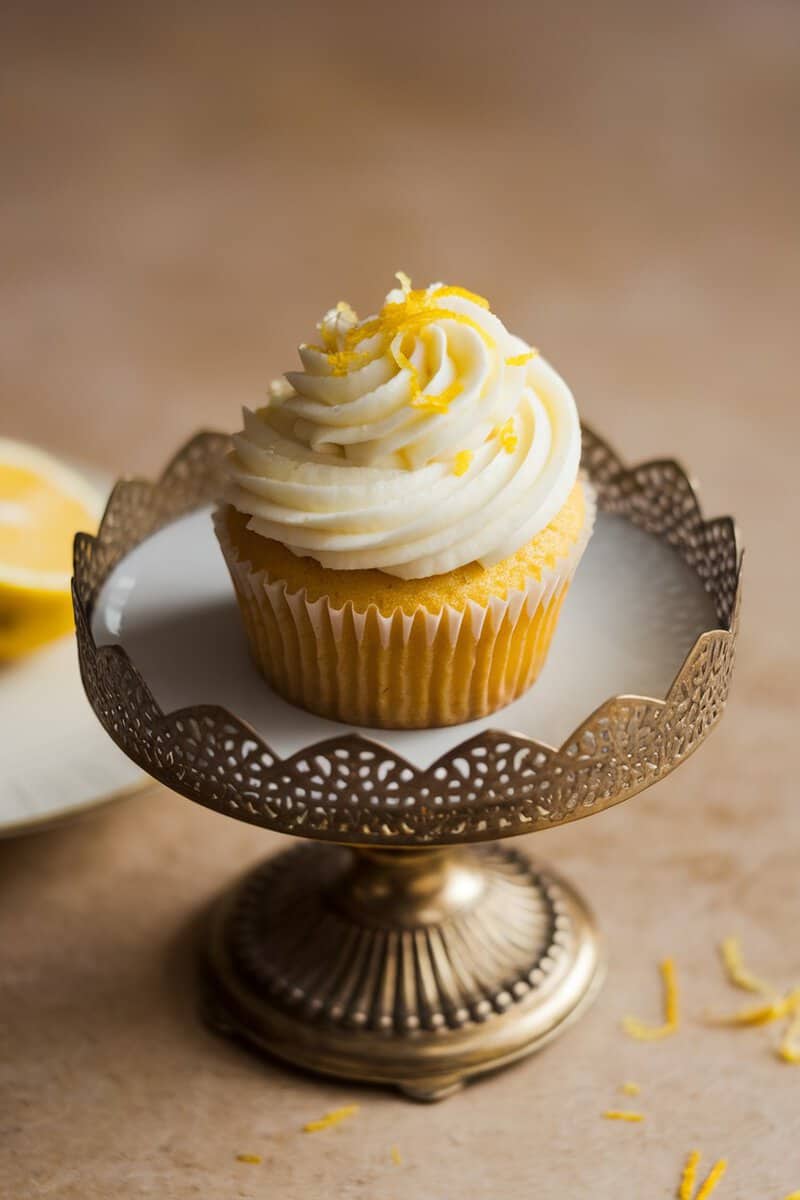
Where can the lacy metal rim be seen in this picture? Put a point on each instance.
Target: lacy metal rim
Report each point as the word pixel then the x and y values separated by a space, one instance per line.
pixel 352 788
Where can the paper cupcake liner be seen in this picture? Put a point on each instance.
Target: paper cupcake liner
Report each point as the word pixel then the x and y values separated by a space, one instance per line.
pixel 364 667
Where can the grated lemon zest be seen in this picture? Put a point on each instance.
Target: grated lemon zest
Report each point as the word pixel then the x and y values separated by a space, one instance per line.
pixel 738 973
pixel 630 1089
pixel 255 1159
pixel 686 1189
pixel 330 1119
pixel 714 1176
pixel 507 435
pixel 462 462
pixel 413 313
pixel 416 310
pixel 650 1033
pixel 618 1114
pixel 789 1048
pixel 762 1014
pixel 405 363
pixel 440 402
pixel 395 1154
pixel 343 361
pixel 481 301
pixel 520 360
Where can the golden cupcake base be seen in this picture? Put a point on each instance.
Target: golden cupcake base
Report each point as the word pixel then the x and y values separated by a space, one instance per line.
pixel 416 969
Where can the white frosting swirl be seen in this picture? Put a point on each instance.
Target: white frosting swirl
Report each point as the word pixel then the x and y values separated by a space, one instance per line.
pixel 416 441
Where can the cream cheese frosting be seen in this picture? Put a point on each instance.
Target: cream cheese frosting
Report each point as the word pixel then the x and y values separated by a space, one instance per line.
pixel 415 441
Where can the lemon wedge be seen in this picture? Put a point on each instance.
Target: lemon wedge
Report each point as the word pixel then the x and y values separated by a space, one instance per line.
pixel 42 505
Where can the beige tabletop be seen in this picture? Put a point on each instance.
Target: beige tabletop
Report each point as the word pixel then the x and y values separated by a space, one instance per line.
pixel 184 189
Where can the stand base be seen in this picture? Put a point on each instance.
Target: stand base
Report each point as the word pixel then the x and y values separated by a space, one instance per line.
pixel 415 969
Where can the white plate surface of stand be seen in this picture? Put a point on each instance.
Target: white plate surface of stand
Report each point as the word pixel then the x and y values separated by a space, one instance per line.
pixel 632 615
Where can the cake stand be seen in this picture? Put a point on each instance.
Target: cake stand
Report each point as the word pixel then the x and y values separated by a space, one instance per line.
pixel 404 941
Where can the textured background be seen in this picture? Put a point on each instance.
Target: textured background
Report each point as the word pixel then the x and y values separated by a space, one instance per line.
pixel 184 189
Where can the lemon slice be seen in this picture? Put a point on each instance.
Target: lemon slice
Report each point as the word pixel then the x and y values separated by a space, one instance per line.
pixel 42 505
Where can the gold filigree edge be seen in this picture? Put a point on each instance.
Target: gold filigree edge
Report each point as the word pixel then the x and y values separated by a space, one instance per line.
pixel 354 789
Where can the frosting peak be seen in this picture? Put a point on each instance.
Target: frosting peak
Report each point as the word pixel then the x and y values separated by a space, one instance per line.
pixel 415 441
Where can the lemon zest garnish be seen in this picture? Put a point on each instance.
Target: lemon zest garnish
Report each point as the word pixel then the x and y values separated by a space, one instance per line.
pixel 463 293
pixel 507 435
pixel 405 363
pixel 395 1155
pixel 738 973
pixel 448 394
pixel 689 1175
pixel 789 1048
pixel 462 462
pixel 416 310
pixel 343 361
pixel 330 1119
pixel 520 360
pixel 763 1014
pixel 630 1089
pixel 408 317
pixel 651 1033
pixel 617 1114
pixel 427 404
pixel 438 403
pixel 249 1158
pixel 714 1176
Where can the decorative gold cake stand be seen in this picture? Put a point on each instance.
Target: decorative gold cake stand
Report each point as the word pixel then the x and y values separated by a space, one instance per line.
pixel 404 951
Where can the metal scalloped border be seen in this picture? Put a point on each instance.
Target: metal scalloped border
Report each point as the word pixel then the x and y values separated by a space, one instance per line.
pixel 351 788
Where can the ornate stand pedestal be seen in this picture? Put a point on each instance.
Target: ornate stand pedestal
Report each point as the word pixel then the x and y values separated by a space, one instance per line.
pixel 415 968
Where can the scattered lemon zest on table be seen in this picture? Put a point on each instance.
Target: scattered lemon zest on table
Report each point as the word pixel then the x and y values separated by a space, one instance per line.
pixel 330 1119
pixel 395 1156
pixel 762 1014
pixel 630 1089
pixel 789 1048
pixel 618 1114
pixel 739 975
pixel 255 1159
pixel 777 1006
pixel 713 1178
pixel 650 1033
pixel 686 1189
pixel 792 1196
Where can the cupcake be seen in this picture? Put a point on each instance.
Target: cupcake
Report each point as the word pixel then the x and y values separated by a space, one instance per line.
pixel 402 520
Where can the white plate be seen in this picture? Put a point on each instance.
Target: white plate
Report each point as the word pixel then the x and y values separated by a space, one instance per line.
pixel 55 758
pixel 632 615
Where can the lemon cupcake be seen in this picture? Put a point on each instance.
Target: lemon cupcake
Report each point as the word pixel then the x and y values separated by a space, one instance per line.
pixel 404 517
